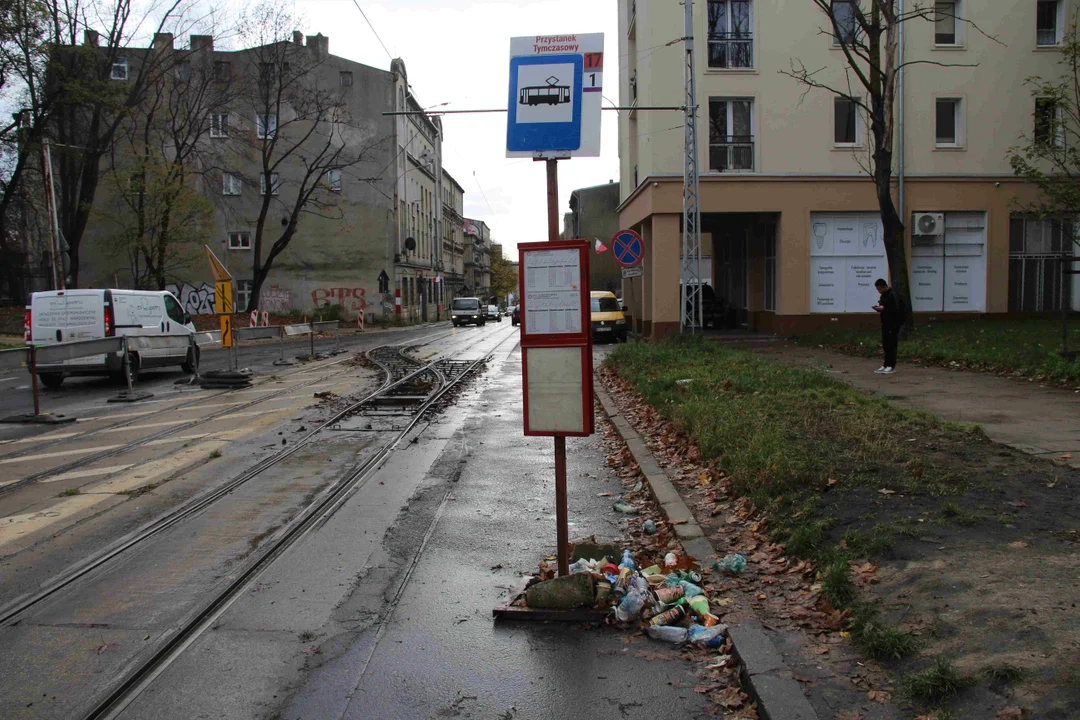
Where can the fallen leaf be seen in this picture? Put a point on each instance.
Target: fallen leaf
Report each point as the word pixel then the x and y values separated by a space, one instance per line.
pixel 879 696
pixel 820 649
pixel 605 494
pixel 497 567
pixel 1011 713
pixel 731 698
pixel 886 491
pixel 1018 545
pixel 650 655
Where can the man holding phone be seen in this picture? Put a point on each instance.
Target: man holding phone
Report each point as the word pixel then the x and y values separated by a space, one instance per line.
pixel 892 318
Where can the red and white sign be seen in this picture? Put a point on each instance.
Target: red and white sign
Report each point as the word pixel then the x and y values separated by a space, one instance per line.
pixel 556 337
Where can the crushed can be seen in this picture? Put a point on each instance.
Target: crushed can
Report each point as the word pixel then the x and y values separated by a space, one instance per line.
pixel 708 620
pixel 669 617
pixel 623 583
pixel 668 595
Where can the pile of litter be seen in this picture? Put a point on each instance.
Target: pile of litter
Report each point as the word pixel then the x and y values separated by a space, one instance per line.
pixel 667 598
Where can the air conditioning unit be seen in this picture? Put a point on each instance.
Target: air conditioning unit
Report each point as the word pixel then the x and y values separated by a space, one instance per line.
pixel 929 224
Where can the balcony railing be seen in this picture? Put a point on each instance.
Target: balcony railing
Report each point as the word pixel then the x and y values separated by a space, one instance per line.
pixel 732 153
pixel 731 50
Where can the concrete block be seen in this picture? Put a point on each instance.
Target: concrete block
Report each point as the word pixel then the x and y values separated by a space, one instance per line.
pixel 754 649
pixel 780 698
pixel 569 591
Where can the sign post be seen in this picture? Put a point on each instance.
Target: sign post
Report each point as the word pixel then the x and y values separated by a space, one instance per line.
pixel 553 113
pixel 223 301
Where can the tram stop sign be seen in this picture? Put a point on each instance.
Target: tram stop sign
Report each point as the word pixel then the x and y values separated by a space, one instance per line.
pixel 628 248
pixel 553 109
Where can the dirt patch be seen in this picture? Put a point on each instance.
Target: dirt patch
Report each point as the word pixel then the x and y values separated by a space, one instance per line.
pixel 968 546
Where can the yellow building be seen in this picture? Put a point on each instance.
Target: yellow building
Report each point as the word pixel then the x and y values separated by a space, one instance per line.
pixel 788 214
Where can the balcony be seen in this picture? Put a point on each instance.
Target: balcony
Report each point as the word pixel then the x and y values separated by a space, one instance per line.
pixel 731 153
pixel 731 51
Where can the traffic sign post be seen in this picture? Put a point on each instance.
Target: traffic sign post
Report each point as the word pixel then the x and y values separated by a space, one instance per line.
pixel 553 112
pixel 223 301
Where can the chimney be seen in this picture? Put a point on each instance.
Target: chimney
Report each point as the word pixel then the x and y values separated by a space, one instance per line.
pixel 163 41
pixel 319 45
pixel 202 42
pixel 298 38
pixel 90 37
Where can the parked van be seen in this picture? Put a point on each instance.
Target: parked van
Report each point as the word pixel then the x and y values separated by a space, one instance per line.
pixel 608 321
pixel 58 316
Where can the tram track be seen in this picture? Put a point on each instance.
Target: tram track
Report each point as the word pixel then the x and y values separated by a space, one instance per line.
pixel 315 514
pixel 114 452
pixel 399 370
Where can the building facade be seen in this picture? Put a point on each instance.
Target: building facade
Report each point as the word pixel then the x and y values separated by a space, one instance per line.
pixel 594 216
pixel 789 215
pixel 453 238
pixel 375 226
pixel 477 262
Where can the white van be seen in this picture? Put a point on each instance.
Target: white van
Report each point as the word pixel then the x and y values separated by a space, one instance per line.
pixel 57 316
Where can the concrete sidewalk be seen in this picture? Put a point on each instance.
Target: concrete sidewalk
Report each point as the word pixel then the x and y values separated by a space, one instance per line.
pixel 1024 415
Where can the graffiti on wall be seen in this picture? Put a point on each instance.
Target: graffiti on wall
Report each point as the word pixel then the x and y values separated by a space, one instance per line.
pixel 195 300
pixel 351 300
pixel 275 299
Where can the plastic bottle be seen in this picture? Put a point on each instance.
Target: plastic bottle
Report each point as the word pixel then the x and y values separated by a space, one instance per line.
pixel 690 590
pixel 628 560
pixel 666 633
pixel 732 564
pixel 671 560
pixel 630 606
pixel 707 636
pixel 650 527
pixel 581 565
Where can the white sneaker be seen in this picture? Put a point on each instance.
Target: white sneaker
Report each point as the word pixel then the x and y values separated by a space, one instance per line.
pixel 888 371
pixel 880 370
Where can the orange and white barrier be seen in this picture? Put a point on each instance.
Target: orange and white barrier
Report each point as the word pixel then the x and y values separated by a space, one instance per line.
pixel 254 319
pixel 360 321
pixel 265 319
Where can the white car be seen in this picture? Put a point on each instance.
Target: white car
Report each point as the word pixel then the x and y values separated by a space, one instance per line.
pixel 58 316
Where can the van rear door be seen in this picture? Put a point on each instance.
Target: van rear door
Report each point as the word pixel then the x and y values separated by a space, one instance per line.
pixel 68 316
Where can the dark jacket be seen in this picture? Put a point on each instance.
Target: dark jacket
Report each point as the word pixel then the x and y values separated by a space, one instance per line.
pixel 892 317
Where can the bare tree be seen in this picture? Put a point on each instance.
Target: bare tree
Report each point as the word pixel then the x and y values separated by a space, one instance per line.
pixel 867 33
pixel 303 133
pixel 163 167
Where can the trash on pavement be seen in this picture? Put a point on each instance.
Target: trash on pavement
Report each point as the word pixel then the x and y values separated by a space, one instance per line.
pixel 625 508
pixel 730 564
pixel 650 527
pixel 667 633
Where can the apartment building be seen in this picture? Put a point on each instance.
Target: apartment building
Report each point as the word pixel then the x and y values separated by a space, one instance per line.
pixel 453 237
pixel 593 217
pixel 477 258
pixel 788 213
pixel 375 226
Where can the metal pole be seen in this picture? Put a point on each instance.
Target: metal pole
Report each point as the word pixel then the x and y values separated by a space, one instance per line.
pixel 311 335
pixel 33 379
pixel 690 309
pixel 127 368
pixel 561 521
pixel 54 223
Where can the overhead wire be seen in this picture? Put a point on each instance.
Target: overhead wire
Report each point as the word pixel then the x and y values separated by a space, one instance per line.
pixel 375 32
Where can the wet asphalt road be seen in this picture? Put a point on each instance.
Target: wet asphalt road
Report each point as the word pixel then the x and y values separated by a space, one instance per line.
pixel 361 623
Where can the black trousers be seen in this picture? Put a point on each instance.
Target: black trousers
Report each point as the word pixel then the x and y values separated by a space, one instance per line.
pixel 890 339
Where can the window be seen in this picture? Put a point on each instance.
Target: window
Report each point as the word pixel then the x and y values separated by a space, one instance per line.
pixel 222 71
pixel 173 309
pixel 1048 122
pixel 731 139
pixel 948 122
pixel 119 68
pixel 273 183
pixel 731 43
pixel 333 179
pixel 239 241
pixel 1036 252
pixel 230 184
pixel 219 125
pixel 1048 22
pixel 345 78
pixel 266 125
pixel 847 23
pixel 945 23
pixel 948 269
pixel 845 121
pixel 243 294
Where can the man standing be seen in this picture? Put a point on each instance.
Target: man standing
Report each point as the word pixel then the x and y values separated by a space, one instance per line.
pixel 892 318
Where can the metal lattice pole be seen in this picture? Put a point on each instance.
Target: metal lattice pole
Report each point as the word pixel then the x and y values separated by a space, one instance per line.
pixel 690 310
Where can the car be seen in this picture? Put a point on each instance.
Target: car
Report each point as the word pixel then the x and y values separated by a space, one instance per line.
pixel 57 316
pixel 713 309
pixel 493 313
pixel 515 315
pixel 467 311
pixel 606 315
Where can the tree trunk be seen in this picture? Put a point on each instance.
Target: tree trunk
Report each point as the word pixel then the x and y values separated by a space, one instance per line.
pixel 894 241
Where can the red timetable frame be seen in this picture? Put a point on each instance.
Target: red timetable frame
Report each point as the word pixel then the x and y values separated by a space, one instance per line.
pixel 561 360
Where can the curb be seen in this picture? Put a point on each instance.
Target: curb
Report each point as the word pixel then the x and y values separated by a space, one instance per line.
pixel 764 674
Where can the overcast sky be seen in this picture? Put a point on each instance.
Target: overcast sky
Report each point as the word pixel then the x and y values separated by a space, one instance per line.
pixel 457 52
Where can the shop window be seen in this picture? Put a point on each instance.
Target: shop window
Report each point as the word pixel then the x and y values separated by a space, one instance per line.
pixel 948 268
pixel 847 254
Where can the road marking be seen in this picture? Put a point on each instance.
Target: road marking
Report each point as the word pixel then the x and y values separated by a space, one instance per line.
pixel 76 474
pixel 37 438
pixel 178 438
pixel 13 526
pixel 61 453
pixel 6 379
pixel 113 417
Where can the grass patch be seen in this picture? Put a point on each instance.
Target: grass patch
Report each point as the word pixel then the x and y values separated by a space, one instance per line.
pixel 69 492
pixel 215 454
pixel 958 515
pixel 877 639
pixel 1026 346
pixel 1003 674
pixel 935 684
